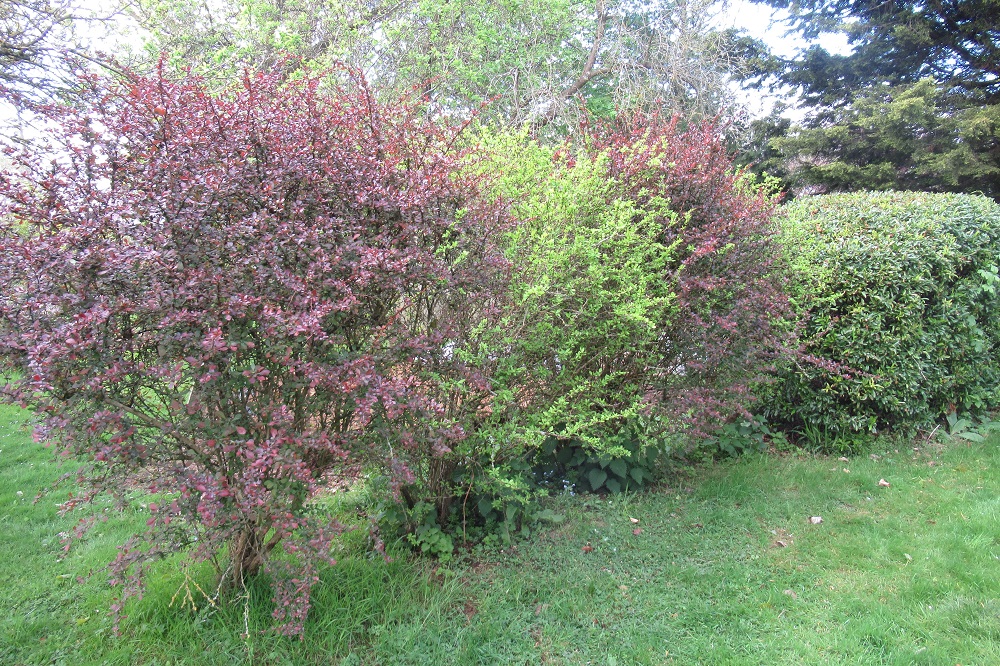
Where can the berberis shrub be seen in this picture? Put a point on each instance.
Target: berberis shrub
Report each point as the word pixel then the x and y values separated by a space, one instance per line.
pixel 645 281
pixel 643 300
pixel 900 290
pixel 220 299
pixel 238 294
pixel 724 273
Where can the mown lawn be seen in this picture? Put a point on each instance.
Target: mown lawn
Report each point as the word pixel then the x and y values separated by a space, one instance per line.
pixel 725 569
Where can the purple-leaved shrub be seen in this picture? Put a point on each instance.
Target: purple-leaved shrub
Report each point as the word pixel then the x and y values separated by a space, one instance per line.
pixel 237 294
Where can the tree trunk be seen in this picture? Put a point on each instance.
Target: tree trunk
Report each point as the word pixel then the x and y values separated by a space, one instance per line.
pixel 246 556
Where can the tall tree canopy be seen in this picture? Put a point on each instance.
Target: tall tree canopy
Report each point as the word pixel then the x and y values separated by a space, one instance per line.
pixel 45 44
pixel 31 31
pixel 914 105
pixel 530 60
pixel 903 137
pixel 957 42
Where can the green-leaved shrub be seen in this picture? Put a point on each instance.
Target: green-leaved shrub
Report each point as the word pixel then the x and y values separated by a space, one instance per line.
pixel 641 307
pixel 644 291
pixel 592 289
pixel 900 290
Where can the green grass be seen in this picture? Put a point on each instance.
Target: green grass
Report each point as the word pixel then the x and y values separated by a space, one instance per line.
pixel 900 575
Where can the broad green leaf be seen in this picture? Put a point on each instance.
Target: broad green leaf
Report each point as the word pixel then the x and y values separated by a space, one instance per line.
pixel 619 467
pixel 597 477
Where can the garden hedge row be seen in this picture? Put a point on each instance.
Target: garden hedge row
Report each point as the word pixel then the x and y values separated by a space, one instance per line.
pixel 900 290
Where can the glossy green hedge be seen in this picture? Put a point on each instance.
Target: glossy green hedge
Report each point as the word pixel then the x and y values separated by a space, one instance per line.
pixel 901 289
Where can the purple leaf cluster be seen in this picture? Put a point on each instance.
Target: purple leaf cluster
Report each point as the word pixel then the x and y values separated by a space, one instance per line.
pixel 729 328
pixel 220 299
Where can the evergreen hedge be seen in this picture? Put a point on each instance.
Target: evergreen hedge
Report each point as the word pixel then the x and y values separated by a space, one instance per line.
pixel 900 290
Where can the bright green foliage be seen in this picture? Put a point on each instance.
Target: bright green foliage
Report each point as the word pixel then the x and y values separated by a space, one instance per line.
pixel 900 289
pixel 905 138
pixel 641 302
pixel 222 38
pixel 589 292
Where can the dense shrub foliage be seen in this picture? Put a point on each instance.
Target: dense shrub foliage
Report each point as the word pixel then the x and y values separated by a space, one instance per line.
pixel 900 289
pixel 224 299
pixel 729 289
pixel 644 281
pixel 239 295
pixel 643 300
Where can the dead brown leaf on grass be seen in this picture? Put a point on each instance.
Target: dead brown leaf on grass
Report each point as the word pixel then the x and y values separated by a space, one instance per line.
pixel 782 538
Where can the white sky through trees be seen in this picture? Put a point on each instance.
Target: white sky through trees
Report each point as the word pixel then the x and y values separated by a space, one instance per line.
pixel 763 22
pixel 117 32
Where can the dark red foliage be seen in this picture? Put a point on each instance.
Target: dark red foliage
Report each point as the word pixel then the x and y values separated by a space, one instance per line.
pixel 235 295
pixel 729 327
